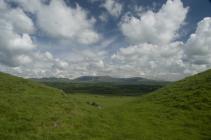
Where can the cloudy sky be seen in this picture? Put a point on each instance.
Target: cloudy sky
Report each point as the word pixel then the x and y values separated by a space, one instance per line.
pixel 156 39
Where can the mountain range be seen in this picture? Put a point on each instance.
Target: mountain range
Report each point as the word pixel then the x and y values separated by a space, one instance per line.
pixel 101 79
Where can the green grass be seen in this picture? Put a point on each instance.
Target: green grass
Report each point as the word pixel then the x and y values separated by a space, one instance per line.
pixel 31 111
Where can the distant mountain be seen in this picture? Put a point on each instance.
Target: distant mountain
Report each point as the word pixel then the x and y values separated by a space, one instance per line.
pixel 104 85
pixel 108 79
pixel 51 79
pixel 101 79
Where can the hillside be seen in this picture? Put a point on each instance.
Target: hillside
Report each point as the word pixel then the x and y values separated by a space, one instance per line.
pixel 29 110
pixel 191 93
pixel 181 110
pixel 16 85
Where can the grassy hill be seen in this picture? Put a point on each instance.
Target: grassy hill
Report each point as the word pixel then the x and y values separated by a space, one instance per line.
pixel 180 111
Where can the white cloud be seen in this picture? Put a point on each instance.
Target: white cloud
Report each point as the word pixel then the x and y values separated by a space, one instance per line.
pixel 21 42
pixel 59 21
pixel 21 56
pixel 155 28
pixel 151 60
pixel 15 41
pixel 29 5
pixel 152 53
pixel 17 49
pixel 113 7
pixel 20 22
pixel 18 52
pixel 40 64
pixel 85 62
pixel 24 59
pixel 198 47
pixel 156 54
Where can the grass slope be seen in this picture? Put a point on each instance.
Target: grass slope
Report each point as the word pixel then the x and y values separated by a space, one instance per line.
pixel 179 111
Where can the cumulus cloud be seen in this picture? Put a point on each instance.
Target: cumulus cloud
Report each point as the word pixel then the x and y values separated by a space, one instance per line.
pixel 155 53
pixel 113 7
pixel 155 27
pixel 153 50
pixel 59 21
pixel 198 47
pixel 20 55
pixel 152 60
pixel 28 5
pixel 17 49
pixel 15 40
pixel 38 64
pixel 17 18
pixel 66 23
pixel 85 62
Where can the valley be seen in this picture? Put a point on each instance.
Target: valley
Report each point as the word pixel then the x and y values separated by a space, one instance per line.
pixel 30 110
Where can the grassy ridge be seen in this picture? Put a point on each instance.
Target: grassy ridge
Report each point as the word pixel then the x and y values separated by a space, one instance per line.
pixel 179 111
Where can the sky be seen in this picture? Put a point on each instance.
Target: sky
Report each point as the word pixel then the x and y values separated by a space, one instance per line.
pixel 154 39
